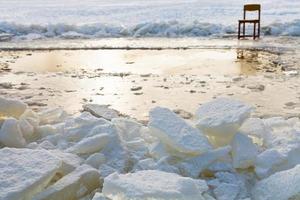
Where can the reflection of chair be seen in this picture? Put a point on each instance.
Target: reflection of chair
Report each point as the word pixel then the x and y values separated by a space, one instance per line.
pixel 256 34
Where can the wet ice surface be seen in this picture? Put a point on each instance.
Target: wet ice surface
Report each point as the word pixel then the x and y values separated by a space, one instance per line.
pixel 133 81
pixel 102 153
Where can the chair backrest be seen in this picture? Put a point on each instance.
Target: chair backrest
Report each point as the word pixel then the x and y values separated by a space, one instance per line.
pixel 252 7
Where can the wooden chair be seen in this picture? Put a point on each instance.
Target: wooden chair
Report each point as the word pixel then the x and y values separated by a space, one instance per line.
pixel 251 8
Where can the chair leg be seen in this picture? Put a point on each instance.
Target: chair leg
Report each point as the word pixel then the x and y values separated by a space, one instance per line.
pixel 258 30
pixel 239 31
pixel 254 31
pixel 244 30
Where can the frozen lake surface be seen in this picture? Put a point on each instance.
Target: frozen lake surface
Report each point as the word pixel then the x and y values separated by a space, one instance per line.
pixel 140 18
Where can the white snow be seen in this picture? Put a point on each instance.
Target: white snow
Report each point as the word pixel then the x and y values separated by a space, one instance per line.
pixel 194 166
pixel 268 162
pixel 152 184
pixel 25 172
pixel 95 160
pixel 84 178
pixel 244 152
pixel 226 191
pixel 10 134
pixel 280 186
pixel 176 133
pixel 90 144
pixel 11 108
pixel 61 156
pixel 99 196
pixel 221 119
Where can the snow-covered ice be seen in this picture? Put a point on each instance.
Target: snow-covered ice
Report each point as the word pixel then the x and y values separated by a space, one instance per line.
pixel 176 133
pixel 153 184
pixel 244 151
pixel 11 108
pixel 116 18
pixel 10 134
pixel 84 157
pixel 281 186
pixel 25 172
pixel 90 144
pixel 221 118
pixel 74 185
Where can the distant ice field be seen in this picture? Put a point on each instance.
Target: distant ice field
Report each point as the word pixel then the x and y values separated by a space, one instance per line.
pixel 37 19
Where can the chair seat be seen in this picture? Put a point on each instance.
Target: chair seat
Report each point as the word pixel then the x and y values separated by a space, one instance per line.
pixel 249 21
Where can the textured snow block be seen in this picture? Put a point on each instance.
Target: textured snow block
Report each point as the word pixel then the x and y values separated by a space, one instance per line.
pixel 268 162
pixel 69 161
pixel 256 127
pixel 221 119
pixel 152 184
pixel 25 172
pixel 95 160
pixel 99 196
pixel 101 111
pixel 283 185
pixel 157 150
pixel 10 134
pixel 11 108
pixel 90 144
pixel 226 191
pixel 32 117
pixel 151 164
pixel 75 185
pixel 75 129
pixel 176 133
pixel 194 166
pixel 244 152
pixel 131 136
pixel 52 116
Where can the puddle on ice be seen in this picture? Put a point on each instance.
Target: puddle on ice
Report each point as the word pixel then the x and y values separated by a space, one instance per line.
pixel 134 81
pixel 169 62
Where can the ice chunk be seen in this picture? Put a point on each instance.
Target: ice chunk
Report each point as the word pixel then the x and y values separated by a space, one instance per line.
pixel 226 191
pixel 90 144
pixel 244 152
pixel 158 150
pixel 75 185
pixel 280 186
pixel 95 160
pixel 176 133
pixel 25 172
pixel 27 129
pixel 11 108
pixel 32 117
pixel 52 116
pixel 243 180
pixel 130 133
pixel 99 196
pixel 101 111
pixel 221 119
pixel 46 130
pixel 69 161
pixel 194 166
pixel 255 127
pixel 267 162
pixel 153 184
pixel 10 134
pixel 151 164
pixel 74 129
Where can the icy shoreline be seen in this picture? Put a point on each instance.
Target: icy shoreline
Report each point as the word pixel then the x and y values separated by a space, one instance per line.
pixel 168 29
pixel 230 155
